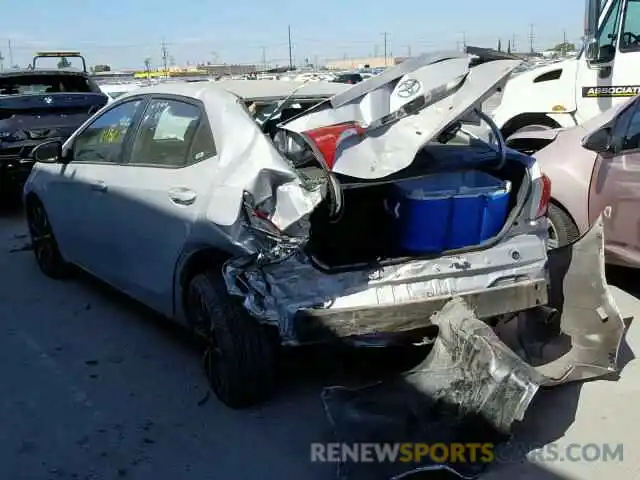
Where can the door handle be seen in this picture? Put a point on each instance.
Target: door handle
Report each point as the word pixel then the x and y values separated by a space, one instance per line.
pixel 182 196
pixel 99 186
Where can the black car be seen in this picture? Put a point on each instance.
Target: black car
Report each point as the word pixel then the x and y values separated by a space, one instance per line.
pixel 350 78
pixel 39 105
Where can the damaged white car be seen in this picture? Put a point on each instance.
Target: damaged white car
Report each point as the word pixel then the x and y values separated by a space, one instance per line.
pixel 267 213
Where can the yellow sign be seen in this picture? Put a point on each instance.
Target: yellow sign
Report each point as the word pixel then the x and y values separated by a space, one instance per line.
pixel 111 135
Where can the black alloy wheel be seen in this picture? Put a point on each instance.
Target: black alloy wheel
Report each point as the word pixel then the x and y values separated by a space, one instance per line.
pixel 43 242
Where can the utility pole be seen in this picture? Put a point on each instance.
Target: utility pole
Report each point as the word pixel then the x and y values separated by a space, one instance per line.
pixel 564 43
pixel 290 48
pixel 165 57
pixel 532 38
pixel 264 58
pixel 464 41
pixel 385 35
pixel 10 53
pixel 513 43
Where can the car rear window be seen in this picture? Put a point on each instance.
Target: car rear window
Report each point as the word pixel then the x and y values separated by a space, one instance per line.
pixel 34 84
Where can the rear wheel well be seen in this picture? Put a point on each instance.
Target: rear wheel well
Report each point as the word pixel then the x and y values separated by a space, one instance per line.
pixel 31 197
pixel 205 260
pixel 525 119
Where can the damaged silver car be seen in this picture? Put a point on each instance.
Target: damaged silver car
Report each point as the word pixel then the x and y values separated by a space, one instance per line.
pixel 269 213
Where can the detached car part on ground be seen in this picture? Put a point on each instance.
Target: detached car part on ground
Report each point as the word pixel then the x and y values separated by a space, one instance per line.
pixel 303 245
pixel 36 106
pixel 594 168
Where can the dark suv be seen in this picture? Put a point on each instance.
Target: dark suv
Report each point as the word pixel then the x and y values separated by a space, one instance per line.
pixel 350 78
pixel 38 105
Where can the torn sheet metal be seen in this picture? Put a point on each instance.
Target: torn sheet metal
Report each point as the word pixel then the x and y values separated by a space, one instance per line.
pixel 470 388
pixel 476 382
pixel 581 339
pixel 396 119
pixel 274 292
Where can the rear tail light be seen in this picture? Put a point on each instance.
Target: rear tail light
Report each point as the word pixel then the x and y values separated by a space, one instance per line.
pixel 542 195
pixel 326 140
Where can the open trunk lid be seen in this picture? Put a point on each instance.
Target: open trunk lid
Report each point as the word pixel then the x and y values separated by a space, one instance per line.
pixel 375 128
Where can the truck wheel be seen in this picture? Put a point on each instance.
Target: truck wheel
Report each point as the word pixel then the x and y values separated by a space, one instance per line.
pixel 43 242
pixel 240 359
pixel 562 229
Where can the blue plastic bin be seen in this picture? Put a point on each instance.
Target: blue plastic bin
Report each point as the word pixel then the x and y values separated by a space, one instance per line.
pixel 448 210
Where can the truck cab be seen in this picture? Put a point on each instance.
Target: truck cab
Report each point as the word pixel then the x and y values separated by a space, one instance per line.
pixel 568 93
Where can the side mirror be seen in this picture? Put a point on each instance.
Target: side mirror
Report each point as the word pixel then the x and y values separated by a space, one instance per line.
pixel 591 50
pixel 599 141
pixel 591 17
pixel 47 152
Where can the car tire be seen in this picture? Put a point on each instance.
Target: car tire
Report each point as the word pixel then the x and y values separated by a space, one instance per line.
pixel 43 242
pixel 562 229
pixel 240 359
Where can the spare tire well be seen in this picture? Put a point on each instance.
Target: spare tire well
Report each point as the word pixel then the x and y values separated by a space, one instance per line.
pixel 526 119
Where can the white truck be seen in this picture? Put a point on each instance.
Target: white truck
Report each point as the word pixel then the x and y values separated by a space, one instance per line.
pixel 567 93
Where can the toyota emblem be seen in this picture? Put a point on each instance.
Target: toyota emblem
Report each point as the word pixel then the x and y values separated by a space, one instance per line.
pixel 47 100
pixel 408 88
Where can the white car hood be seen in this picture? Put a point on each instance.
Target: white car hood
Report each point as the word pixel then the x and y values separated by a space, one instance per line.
pixel 396 113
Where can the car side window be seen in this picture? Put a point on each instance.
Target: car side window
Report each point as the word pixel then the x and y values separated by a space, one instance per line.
pixel 103 140
pixel 203 146
pixel 632 137
pixel 166 132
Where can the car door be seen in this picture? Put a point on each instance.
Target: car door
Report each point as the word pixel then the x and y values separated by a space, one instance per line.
pixel 75 195
pixel 615 189
pixel 158 195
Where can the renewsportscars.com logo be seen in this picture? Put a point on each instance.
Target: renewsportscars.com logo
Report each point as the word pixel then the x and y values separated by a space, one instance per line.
pixel 611 91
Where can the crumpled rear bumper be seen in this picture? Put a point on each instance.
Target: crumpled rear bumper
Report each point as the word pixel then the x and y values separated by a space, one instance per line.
pixel 308 305
pixel 325 325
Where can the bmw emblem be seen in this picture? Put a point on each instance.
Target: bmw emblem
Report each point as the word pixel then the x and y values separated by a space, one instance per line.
pixel 47 100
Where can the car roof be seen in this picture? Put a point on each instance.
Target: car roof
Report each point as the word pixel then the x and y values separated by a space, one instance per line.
pixel 250 90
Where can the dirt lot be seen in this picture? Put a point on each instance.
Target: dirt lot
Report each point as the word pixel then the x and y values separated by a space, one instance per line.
pixel 96 387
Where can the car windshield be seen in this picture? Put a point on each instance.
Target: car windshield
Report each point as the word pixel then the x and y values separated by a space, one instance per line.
pixel 36 84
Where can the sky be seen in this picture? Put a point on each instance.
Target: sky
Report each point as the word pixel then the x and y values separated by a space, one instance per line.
pixel 123 33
